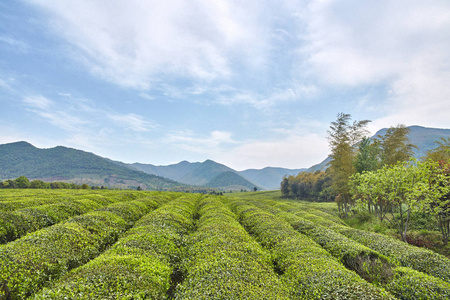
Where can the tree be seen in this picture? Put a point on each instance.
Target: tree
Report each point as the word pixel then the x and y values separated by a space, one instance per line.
pixel 38 184
pixel 440 207
pixel 368 157
pixel 441 152
pixel 343 138
pixel 284 187
pixel 395 145
pixel 22 182
pixel 404 187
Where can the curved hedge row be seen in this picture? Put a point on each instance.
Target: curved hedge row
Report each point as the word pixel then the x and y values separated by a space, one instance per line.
pixel 419 259
pixel 29 262
pixel 15 224
pixel 402 282
pixel 139 265
pixel 308 270
pixel 223 262
pixel 369 264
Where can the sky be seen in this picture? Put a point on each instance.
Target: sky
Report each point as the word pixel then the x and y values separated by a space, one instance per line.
pixel 248 84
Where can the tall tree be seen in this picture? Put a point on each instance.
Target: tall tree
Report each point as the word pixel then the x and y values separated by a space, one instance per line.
pixel 441 152
pixel 395 145
pixel 368 157
pixel 343 137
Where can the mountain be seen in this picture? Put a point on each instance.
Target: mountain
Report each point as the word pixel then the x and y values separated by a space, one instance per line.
pixel 269 178
pixel 423 137
pixel 71 165
pixel 208 173
pixel 174 172
pixel 230 180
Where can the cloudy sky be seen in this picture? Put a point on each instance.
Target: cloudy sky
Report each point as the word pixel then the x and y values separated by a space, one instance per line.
pixel 248 83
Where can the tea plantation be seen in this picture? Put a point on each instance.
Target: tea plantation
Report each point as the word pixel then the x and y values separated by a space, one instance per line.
pixel 103 244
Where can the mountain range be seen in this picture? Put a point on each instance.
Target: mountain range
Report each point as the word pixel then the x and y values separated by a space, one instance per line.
pixel 207 173
pixel 71 165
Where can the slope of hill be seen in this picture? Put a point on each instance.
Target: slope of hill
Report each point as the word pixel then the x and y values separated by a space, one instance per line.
pixel 204 172
pixel 230 181
pixel 174 172
pixel 67 164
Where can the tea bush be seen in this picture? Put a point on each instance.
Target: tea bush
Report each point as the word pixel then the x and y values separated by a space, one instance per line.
pixel 223 262
pixel 29 262
pixel 309 271
pixel 139 265
pixel 419 259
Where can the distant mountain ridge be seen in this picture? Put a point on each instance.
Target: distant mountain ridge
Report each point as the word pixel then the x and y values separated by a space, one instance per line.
pixel 198 173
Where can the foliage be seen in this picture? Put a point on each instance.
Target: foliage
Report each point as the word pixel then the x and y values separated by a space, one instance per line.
pixel 343 138
pixel 368 157
pixel 441 152
pixel 307 186
pixel 223 262
pixel 399 190
pixel 29 262
pixel 420 259
pixel 309 271
pixel 139 265
pixel 395 145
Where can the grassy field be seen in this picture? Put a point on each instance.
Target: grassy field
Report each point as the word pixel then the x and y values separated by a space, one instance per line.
pixel 86 244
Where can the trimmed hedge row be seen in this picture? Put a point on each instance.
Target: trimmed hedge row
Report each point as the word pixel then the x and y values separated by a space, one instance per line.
pixel 19 200
pixel 308 270
pixel 28 263
pixel 15 224
pixel 419 259
pixel 404 283
pixel 223 262
pixel 139 265
pixel 369 264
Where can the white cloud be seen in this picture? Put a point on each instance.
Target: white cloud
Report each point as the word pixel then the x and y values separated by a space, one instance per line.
pixel 294 151
pixel 130 42
pixel 402 45
pixel 39 102
pixel 214 143
pixel 131 121
pixel 15 44
pixel 48 110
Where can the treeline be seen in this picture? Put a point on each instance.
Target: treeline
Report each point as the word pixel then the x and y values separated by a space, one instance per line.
pixel 23 182
pixel 308 186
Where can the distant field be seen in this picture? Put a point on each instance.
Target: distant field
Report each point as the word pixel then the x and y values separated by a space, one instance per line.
pixel 103 244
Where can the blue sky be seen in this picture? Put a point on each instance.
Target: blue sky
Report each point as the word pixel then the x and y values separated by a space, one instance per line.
pixel 248 84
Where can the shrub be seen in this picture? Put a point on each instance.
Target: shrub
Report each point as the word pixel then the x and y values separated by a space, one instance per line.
pixel 27 263
pixel 223 262
pixel 309 271
pixel 138 266
pixel 419 259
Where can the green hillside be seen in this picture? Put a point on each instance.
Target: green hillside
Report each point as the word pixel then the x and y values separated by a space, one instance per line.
pixel 230 181
pixel 66 164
